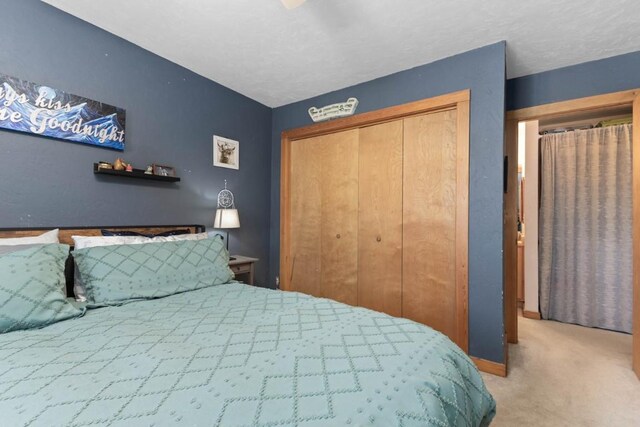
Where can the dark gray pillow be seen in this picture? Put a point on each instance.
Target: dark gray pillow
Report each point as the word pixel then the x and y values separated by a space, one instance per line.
pixel 177 232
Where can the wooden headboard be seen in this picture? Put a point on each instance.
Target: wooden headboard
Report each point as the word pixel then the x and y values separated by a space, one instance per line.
pixel 67 232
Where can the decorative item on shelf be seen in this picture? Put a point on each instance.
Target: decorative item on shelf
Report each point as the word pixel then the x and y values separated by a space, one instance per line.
pixel 119 164
pixel 226 153
pixel 105 165
pixel 129 168
pixel 149 170
pixel 161 170
pixel 226 215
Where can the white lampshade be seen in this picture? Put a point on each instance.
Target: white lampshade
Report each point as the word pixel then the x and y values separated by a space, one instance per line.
pixel 227 218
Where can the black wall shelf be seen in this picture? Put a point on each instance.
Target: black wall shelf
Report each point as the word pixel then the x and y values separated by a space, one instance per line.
pixel 136 173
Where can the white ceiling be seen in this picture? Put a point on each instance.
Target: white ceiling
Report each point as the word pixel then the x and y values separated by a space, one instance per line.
pixel 278 56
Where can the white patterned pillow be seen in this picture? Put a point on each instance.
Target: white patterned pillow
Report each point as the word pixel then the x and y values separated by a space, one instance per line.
pixel 44 239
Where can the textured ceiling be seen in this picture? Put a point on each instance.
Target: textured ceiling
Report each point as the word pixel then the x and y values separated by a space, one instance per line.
pixel 277 56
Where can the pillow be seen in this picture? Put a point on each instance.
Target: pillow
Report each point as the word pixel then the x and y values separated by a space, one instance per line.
pixel 114 274
pixel 133 233
pixel 4 250
pixel 178 238
pixel 31 282
pixel 43 239
pixel 81 242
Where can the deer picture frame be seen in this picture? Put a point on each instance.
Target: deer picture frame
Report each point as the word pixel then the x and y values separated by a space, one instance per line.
pixel 226 153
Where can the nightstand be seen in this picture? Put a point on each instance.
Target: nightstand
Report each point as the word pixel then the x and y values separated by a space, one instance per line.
pixel 244 266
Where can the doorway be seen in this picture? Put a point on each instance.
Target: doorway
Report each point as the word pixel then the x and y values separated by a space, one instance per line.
pixel 528 122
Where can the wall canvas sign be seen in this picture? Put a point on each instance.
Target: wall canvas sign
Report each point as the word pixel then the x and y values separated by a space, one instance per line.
pixel 226 153
pixel 40 110
pixel 334 111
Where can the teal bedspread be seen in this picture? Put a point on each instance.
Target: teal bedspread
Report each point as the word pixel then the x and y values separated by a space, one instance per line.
pixel 236 355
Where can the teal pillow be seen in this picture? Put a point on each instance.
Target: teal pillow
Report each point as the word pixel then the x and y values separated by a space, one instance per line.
pixel 31 288
pixel 117 273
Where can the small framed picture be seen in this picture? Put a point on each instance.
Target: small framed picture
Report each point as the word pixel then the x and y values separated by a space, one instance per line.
pixel 161 170
pixel 226 153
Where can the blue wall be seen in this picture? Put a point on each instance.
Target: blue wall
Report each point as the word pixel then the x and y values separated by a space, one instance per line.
pixel 172 115
pixel 608 75
pixel 483 71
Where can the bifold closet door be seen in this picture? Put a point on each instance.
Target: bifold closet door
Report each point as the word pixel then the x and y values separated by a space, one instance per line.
pixel 380 218
pixel 339 227
pixel 429 230
pixel 324 216
pixel 306 217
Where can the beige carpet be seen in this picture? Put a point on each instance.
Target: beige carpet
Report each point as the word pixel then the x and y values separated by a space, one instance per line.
pixel 567 375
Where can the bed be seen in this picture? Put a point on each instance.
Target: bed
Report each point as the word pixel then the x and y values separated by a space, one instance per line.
pixel 231 354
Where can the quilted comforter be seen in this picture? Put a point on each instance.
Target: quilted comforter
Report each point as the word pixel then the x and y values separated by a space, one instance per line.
pixel 236 355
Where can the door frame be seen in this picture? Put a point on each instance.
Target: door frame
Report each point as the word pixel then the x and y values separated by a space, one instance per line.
pixel 629 98
pixel 457 100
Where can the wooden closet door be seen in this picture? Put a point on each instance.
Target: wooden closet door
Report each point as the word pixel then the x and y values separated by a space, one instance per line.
pixel 429 230
pixel 339 223
pixel 380 218
pixel 306 214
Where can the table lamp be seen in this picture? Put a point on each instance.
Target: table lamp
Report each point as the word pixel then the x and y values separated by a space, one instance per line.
pixel 226 215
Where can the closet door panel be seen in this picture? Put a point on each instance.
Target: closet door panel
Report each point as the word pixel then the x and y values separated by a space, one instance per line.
pixel 306 210
pixel 429 229
pixel 339 188
pixel 380 218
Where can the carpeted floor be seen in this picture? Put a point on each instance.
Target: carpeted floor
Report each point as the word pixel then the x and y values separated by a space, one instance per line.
pixel 567 375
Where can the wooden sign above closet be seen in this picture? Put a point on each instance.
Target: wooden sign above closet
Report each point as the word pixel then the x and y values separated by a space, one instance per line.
pixel 334 111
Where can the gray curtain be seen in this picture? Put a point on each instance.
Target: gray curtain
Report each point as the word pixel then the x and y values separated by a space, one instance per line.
pixel 585 241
